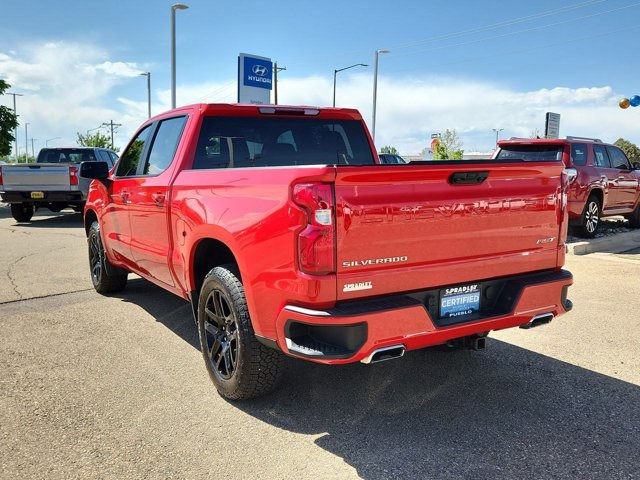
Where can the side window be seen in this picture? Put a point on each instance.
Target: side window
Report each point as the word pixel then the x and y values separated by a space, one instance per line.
pixel 130 159
pixel 579 154
pixel 164 145
pixel 618 159
pixel 114 157
pixel 103 156
pixel 600 157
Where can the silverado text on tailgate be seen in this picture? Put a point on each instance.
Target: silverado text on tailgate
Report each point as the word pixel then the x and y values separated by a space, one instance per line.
pixel 287 235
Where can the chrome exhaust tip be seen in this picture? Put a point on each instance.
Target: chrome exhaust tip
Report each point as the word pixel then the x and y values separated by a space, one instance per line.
pixel 385 353
pixel 538 320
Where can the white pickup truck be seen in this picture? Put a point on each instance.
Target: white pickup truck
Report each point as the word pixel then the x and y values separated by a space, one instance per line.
pixel 52 182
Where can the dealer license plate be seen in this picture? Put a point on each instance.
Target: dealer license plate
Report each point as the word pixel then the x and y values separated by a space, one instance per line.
pixel 37 194
pixel 459 301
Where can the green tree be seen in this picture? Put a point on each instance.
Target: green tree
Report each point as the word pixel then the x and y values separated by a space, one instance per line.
pixel 97 140
pixel 389 149
pixel 450 146
pixel 8 123
pixel 631 150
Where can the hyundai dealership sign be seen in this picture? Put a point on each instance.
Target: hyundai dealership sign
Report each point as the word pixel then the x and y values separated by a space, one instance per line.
pixel 255 79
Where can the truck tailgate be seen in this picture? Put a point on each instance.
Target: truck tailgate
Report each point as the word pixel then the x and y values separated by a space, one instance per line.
pixel 407 228
pixel 36 176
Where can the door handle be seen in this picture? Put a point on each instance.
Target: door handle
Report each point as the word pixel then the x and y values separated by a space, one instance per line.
pixel 158 198
pixel 124 194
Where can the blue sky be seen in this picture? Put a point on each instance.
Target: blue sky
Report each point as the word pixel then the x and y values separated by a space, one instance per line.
pixel 472 66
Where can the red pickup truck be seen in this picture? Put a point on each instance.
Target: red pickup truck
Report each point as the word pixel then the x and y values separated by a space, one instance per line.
pixel 287 235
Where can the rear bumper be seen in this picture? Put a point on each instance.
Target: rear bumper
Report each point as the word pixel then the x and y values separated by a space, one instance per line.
pixel 353 331
pixel 74 197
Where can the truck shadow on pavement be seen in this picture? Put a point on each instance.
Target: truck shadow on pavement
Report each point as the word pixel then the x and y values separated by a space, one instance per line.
pixel 505 412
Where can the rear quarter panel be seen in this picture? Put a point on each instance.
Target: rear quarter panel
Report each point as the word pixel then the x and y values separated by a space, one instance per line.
pixel 250 211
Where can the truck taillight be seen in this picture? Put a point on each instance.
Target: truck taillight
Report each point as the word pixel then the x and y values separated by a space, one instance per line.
pixel 0 176
pixel 568 177
pixel 73 175
pixel 316 242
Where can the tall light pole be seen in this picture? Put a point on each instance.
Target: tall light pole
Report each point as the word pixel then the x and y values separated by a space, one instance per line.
pixel 276 69
pixel 148 75
pixel 375 90
pixel 497 130
pixel 26 143
pixel 335 72
pixel 33 150
pixel 46 142
pixel 177 6
pixel 15 112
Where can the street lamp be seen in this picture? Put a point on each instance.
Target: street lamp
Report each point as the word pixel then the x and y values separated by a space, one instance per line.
pixel 497 130
pixel 92 129
pixel 177 6
pixel 148 75
pixel 340 70
pixel 15 112
pixel 46 142
pixel 375 90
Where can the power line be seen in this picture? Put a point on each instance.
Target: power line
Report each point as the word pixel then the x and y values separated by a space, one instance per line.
pixel 502 24
pixel 514 52
pixel 468 31
pixel 112 125
pixel 502 35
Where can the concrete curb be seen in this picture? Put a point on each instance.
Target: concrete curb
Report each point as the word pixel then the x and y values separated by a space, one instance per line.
pixel 620 242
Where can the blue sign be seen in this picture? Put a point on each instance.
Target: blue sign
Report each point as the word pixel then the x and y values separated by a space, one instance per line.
pixel 258 73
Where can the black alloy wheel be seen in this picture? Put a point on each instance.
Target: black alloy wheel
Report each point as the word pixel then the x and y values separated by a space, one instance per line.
pixel 105 277
pixel 238 364
pixel 221 330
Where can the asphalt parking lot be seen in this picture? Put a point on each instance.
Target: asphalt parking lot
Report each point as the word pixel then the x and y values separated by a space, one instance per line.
pixel 115 387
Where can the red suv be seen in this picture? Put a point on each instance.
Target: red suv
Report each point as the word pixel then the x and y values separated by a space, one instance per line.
pixel 603 182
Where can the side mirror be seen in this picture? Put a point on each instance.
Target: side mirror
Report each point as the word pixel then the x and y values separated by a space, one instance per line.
pixel 636 165
pixel 95 170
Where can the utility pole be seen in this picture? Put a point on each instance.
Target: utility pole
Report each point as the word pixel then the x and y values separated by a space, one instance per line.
pixel 15 112
pixel 497 130
pixel 112 125
pixel 33 150
pixel 276 69
pixel 26 143
pixel 148 75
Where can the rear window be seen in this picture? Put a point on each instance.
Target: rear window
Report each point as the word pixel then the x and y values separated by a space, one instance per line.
pixel 241 142
pixel 531 153
pixel 66 155
pixel 579 154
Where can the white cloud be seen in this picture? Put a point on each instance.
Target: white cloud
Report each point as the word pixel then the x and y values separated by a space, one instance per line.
pixel 409 110
pixel 71 87
pixel 66 88
pixel 120 69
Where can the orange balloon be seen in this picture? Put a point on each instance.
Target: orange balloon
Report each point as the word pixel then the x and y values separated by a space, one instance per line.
pixel 624 103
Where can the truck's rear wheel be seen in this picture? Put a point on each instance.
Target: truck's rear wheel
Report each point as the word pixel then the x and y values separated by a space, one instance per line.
pixel 21 212
pixel 590 218
pixel 105 277
pixel 238 364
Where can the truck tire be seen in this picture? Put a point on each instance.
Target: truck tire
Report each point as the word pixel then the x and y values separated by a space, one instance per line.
pixel 590 218
pixel 21 212
pixel 239 365
pixel 106 278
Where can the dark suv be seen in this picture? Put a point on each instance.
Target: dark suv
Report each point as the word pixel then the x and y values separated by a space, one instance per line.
pixel 603 182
